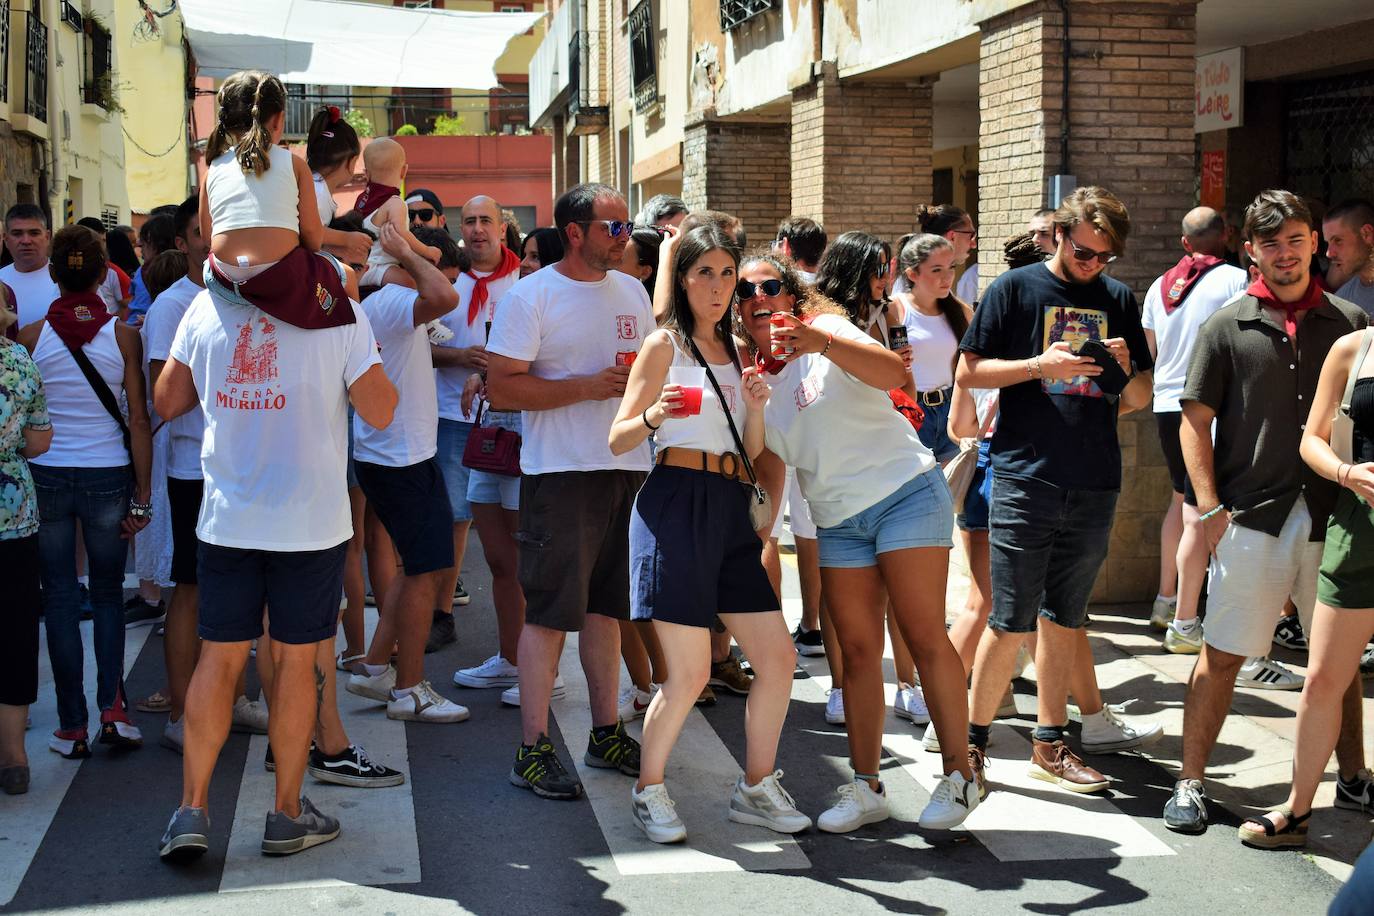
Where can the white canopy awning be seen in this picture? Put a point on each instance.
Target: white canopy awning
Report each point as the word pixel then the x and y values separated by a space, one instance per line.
pixel 335 42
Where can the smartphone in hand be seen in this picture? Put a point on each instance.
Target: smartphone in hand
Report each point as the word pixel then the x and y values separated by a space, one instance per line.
pixel 1112 380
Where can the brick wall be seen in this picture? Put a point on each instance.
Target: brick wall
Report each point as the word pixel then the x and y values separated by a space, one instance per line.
pixel 861 154
pixel 742 168
pixel 1131 131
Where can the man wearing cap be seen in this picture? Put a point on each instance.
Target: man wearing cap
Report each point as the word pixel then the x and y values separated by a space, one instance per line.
pixel 425 209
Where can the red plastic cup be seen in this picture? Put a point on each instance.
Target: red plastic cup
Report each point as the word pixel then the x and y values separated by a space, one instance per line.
pixel 691 380
pixel 626 357
pixel 779 349
pixel 691 402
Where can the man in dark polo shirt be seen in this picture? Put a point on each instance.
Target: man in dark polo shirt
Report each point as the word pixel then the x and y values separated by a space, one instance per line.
pixel 1254 371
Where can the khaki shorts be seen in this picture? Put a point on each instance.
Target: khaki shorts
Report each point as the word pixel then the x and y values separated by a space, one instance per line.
pixel 1253 574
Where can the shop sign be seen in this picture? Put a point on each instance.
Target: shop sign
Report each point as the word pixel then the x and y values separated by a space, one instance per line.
pixel 1213 179
pixel 1220 90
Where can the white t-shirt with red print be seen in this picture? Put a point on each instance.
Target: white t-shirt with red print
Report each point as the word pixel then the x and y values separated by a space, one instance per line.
pixel 565 329
pixel 275 400
pixel 449 380
pixel 850 447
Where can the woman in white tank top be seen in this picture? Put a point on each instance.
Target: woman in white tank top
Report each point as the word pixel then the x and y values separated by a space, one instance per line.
pixel 693 549
pixel 88 475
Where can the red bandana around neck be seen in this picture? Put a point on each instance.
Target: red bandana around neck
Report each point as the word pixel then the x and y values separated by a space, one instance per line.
pixel 1178 282
pixel 373 196
pixel 1310 300
pixel 510 263
pixel 77 318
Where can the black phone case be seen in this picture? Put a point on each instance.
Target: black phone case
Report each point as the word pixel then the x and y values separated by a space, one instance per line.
pixel 1113 380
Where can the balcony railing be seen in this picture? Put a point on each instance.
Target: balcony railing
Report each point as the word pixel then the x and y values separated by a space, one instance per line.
pixel 302 102
pixel 99 53
pixel 36 68
pixel 734 13
pixel 4 50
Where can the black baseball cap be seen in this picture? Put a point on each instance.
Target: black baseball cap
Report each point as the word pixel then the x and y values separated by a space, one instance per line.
pixel 424 194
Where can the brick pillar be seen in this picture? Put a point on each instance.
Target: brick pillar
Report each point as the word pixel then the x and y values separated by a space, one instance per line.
pixel 740 167
pixel 861 153
pixel 1130 130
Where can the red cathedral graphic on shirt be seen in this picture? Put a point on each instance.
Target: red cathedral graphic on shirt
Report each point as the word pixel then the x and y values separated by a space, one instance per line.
pixel 254 365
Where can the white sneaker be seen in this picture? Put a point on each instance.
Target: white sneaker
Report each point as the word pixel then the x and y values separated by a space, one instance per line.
pixel 174 735
pixel 909 704
pixel 422 703
pixel 494 672
pixel 511 696
pixel 655 814
pixel 834 706
pixel 1267 674
pixel 858 805
pixel 931 741
pixel 1162 614
pixel 373 686
pixel 1183 640
pixel 438 332
pixel 952 801
pixel 1107 732
pixel 250 717
pixel 635 702
pixel 767 805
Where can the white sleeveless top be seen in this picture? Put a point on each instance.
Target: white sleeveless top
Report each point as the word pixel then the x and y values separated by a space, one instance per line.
pixel 932 349
pixel 267 201
pixel 324 200
pixel 84 433
pixel 707 431
pixel 377 257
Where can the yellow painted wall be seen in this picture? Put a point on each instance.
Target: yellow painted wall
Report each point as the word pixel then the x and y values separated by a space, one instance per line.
pixel 150 77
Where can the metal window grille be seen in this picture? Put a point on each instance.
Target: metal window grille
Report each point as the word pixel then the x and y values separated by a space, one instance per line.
pixel 5 50
pixel 643 57
pixel 1329 148
pixel 303 101
pixel 109 216
pixel 99 52
pixel 734 13
pixel 36 68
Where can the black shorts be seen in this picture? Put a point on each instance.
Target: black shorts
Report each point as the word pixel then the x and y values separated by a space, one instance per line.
pixel 301 590
pixel 183 501
pixel 19 648
pixel 574 542
pixel 693 550
pixel 412 503
pixel 1168 425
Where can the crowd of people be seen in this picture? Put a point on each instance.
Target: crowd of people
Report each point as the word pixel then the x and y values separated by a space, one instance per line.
pixel 283 407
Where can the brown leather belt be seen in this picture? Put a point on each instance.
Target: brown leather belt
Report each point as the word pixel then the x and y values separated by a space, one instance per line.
pixel 728 465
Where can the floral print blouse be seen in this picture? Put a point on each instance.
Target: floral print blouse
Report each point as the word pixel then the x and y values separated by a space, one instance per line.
pixel 22 405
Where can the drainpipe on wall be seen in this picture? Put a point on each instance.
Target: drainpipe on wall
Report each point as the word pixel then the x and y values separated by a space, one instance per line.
pixel 1063 183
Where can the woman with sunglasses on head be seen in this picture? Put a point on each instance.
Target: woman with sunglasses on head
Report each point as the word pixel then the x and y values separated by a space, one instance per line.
pixel 694 553
pixel 884 522
pixel 955 226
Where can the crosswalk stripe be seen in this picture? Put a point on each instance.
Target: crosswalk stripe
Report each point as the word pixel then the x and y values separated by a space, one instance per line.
pixel 701 775
pixel 377 842
pixel 23 826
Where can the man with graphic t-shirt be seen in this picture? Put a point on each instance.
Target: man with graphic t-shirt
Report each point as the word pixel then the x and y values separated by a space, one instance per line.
pixel 28 239
pixel 1057 467
pixel 495 268
pixel 404 485
pixel 1175 307
pixel 554 355
pixel 274 527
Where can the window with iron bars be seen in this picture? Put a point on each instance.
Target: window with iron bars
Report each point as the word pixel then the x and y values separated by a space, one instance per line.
pixel 109 216
pixel 36 68
pixel 99 62
pixel 734 13
pixel 4 50
pixel 1329 145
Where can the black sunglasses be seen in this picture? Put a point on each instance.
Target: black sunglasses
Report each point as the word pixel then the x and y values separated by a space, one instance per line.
pixel 423 216
pixel 748 290
pixel 1087 254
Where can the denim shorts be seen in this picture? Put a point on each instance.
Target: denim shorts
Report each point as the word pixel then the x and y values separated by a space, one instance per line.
pixel 1047 546
pixel 975 514
pixel 934 431
pixel 453 438
pixel 919 514
pixel 486 488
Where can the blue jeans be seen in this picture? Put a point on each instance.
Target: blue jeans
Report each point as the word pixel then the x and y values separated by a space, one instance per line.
pixel 453 438
pixel 1047 545
pixel 99 499
pixel 934 431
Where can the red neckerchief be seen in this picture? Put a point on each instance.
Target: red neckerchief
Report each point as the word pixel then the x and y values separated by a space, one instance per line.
pixel 1178 282
pixel 1310 300
pixel 766 363
pixel 510 263
pixel 303 289
pixel 78 318
pixel 373 196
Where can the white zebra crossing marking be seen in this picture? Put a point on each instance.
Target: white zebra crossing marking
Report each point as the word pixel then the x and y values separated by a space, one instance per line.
pixel 701 775
pixel 23 825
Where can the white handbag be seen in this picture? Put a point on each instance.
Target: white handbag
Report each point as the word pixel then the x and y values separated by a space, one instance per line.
pixel 1342 426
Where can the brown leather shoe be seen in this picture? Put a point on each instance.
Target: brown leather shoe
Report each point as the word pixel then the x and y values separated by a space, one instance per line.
pixel 1054 762
pixel 978 762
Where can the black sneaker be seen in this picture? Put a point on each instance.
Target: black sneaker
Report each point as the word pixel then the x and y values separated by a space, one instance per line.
pixel 137 612
pixel 616 751
pixel 1367 664
pixel 539 770
pixel 461 598
pixel 441 632
pixel 269 763
pixel 809 643
pixel 1289 634
pixel 352 767
pixel 1357 794
pixel 1186 810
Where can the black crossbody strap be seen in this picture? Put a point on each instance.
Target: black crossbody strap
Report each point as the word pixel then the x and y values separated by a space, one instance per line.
pixel 720 396
pixel 102 391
